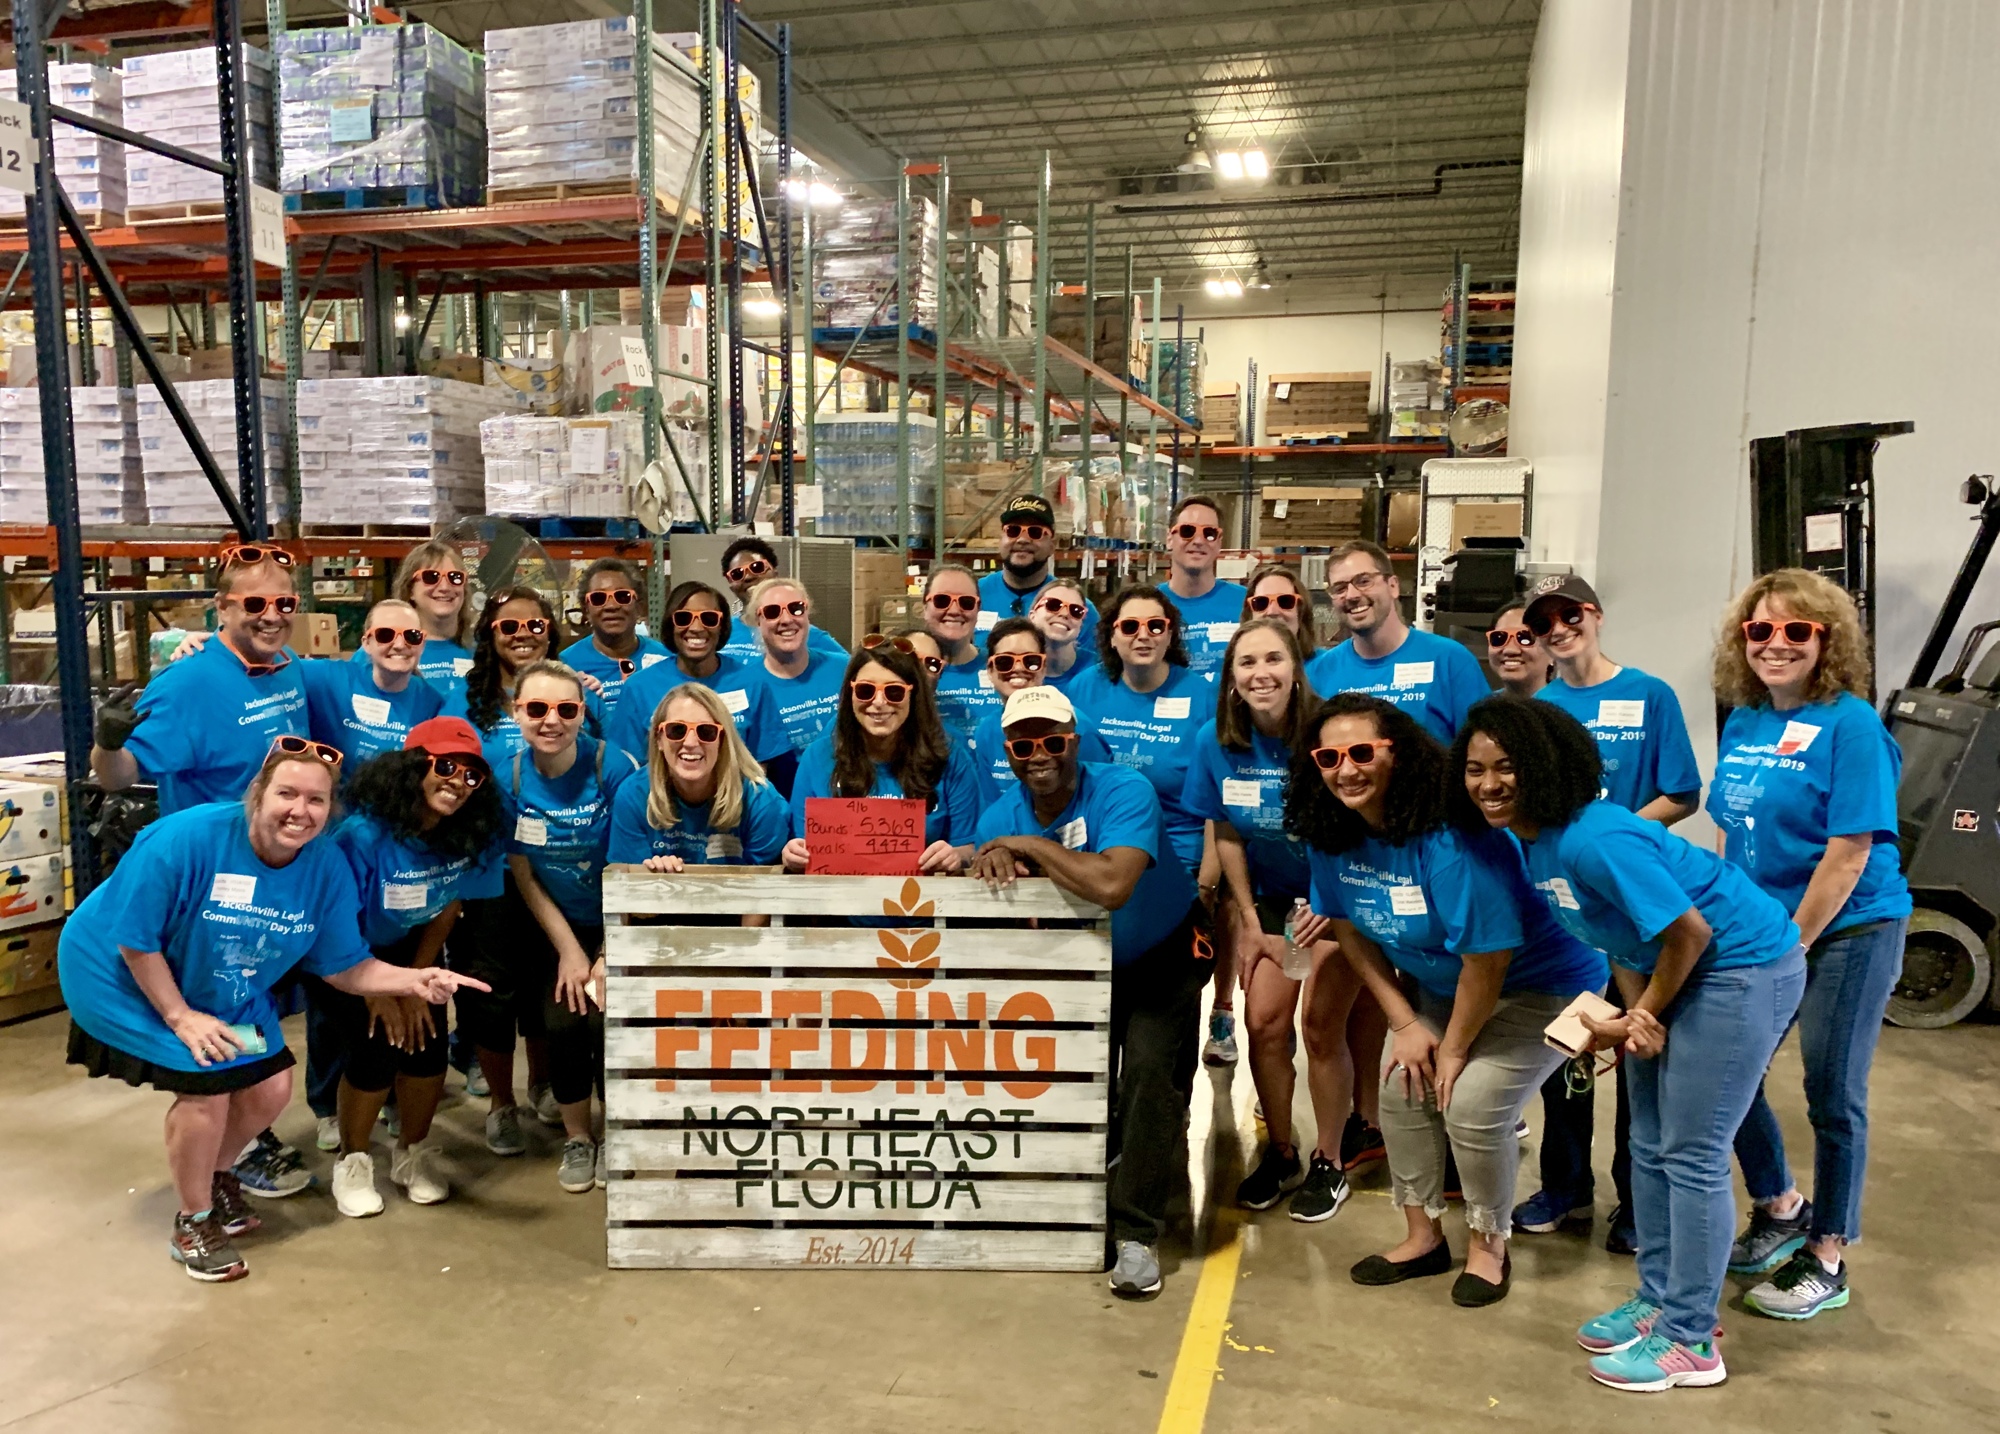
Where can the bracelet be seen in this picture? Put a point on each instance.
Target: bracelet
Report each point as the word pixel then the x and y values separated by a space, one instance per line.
pixel 1404 1027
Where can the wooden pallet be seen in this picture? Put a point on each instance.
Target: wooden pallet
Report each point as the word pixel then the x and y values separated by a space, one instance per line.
pixel 414 531
pixel 388 196
pixel 554 193
pixel 92 219
pixel 174 213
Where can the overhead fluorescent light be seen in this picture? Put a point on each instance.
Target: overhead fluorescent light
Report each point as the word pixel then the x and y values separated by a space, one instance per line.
pixel 820 196
pixel 1232 289
pixel 1229 164
pixel 763 308
pixel 1222 288
pixel 1255 164
pixel 1212 287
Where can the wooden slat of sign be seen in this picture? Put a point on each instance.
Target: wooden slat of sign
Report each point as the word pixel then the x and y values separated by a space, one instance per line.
pixel 984 1148
pixel 631 891
pixel 974 948
pixel 859 1195
pixel 668 1247
pixel 885 1057
pixel 714 999
pixel 1064 1103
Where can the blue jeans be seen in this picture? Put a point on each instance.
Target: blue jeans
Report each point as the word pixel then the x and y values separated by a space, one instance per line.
pixel 1849 976
pixel 1686 1105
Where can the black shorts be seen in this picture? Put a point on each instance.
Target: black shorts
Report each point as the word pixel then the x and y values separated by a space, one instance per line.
pixel 98 1059
pixel 372 1062
pixel 508 950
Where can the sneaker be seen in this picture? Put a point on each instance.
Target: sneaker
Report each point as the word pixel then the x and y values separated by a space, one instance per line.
pixel 354 1192
pixel 578 1171
pixel 542 1100
pixel 1137 1272
pixel 270 1169
pixel 227 1205
pixel 1620 1328
pixel 1656 1363
pixel 1221 1047
pixel 475 1084
pixel 392 1121
pixel 1276 1173
pixel 1361 1144
pixel 1770 1239
pixel 1801 1289
pixel 1521 1130
pixel 1623 1236
pixel 1542 1214
pixel 200 1246
pixel 1323 1193
pixel 327 1137
pixel 503 1132
pixel 603 1174
pixel 415 1168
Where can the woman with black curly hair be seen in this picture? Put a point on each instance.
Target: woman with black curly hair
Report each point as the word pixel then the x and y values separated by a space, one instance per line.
pixel 1711 970
pixel 1403 891
pixel 423 836
pixel 515 628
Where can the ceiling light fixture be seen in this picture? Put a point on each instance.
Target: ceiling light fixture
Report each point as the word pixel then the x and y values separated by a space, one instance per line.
pixel 1229 164
pixel 820 196
pixel 763 308
pixel 1260 277
pixel 1255 165
pixel 1222 288
pixel 1195 160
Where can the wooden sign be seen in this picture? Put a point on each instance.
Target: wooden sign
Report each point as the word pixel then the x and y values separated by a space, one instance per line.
pixel 864 836
pixel 927 1095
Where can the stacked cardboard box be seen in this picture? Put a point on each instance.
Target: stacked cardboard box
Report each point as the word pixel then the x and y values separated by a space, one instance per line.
pixel 1416 399
pixel 1316 405
pixel 1221 416
pixel 856 455
pixel 594 361
pixel 171 96
pixel 1116 341
pixel 980 490
pixel 110 486
pixel 176 490
pixel 35 879
pixel 1302 517
pixel 381 106
pixel 393 450
pixel 856 283
pixel 91 168
pixel 578 467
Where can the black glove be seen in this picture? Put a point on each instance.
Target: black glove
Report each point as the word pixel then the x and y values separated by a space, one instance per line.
pixel 116 719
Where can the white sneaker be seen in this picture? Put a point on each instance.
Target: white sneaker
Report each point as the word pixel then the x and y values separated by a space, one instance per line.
pixel 354 1190
pixel 415 1168
pixel 328 1137
pixel 542 1101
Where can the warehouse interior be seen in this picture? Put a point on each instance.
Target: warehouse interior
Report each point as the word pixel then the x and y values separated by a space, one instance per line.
pixel 898 262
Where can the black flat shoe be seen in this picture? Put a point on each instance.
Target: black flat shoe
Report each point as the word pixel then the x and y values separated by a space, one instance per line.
pixel 1381 1270
pixel 1471 1292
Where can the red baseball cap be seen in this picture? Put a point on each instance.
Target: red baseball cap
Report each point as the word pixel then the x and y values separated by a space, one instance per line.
pixel 444 737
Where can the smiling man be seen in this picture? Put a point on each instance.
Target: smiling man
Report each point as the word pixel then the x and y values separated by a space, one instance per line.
pixel 1432 678
pixel 1027 566
pixel 1211 609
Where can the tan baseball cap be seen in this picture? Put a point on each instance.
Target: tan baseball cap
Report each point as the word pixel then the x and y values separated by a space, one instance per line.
pixel 1047 703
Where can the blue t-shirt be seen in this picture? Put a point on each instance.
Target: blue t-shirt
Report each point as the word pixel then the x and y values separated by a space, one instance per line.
pixel 193 889
pixel 347 710
pixel 209 724
pixel 1086 662
pixel 562 825
pixel 1432 678
pixel 965 694
pixel 808 703
pixel 737 683
pixel 1000 600
pixel 758 838
pixel 1154 732
pixel 440 662
pixel 996 773
pixel 585 656
pixel 1641 737
pixel 1209 621
pixel 1617 881
pixel 954 806
pixel 405 885
pixel 747 643
pixel 1247 790
pixel 1111 807
pixel 1430 901
pixel 1786 782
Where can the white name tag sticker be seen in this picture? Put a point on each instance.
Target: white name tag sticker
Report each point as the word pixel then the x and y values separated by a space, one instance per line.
pixel 1074 834
pixel 1408 901
pixel 531 831
pixel 1242 793
pixel 405 896
pixel 1219 633
pixel 647 659
pixel 1797 737
pixel 737 701
pixel 723 846
pixel 1558 887
pixel 1621 714
pixel 986 678
pixel 1413 674
pixel 372 710
pixel 987 617
pixel 1168 709
pixel 231 890
pixel 460 666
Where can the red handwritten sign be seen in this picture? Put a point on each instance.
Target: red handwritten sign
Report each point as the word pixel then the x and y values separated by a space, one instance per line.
pixel 864 836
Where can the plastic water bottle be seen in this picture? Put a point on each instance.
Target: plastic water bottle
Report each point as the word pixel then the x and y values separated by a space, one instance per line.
pixel 1298 962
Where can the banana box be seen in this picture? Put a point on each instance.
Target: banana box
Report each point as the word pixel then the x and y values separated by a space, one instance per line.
pixel 33 890
pixel 31 819
pixel 28 959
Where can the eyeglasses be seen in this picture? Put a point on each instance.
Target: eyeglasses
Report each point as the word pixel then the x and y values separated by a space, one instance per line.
pixel 537 709
pixel 1033 532
pixel 1501 636
pixel 1285 602
pixel 707 617
pixel 1057 605
pixel 250 554
pixel 618 597
pixel 449 767
pixel 893 693
pixel 706 733
pixel 932 665
pixel 755 568
pixel 943 601
pixel 306 747
pixel 256 603
pixel 770 611
pixel 1003 663
pixel 508 626
pixel 1056 744
pixel 1186 532
pixel 1796 630
pixel 1362 754
pixel 431 577
pixel 1360 583
pixel 414 636
pixel 1154 625
pixel 1543 621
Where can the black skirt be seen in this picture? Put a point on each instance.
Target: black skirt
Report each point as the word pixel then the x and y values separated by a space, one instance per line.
pixel 98 1059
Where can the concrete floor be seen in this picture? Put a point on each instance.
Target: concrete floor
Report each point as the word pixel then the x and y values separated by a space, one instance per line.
pixel 494 1312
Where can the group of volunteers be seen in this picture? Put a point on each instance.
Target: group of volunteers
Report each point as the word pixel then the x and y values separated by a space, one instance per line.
pixel 1364 842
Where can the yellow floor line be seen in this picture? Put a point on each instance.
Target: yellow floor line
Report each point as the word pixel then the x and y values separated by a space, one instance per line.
pixel 1201 1341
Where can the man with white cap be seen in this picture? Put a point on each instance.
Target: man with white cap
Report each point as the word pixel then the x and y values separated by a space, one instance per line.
pixel 1095 828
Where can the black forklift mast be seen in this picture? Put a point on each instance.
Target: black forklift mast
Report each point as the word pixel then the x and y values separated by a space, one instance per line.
pixel 1981 491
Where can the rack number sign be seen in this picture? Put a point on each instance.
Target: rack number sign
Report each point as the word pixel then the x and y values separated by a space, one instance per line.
pixel 17 147
pixel 267 226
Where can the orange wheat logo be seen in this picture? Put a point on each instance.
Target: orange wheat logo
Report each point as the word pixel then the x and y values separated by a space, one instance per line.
pixel 917 955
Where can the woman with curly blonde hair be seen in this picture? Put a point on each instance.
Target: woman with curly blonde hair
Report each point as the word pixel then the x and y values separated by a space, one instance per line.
pixel 1805 792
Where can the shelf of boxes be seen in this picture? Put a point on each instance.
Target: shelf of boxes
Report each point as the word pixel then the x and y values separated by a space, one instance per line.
pixel 172 96
pixel 855 458
pixel 393 450
pixel 176 489
pixel 91 168
pixel 109 480
pixel 857 276
pixel 1417 406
